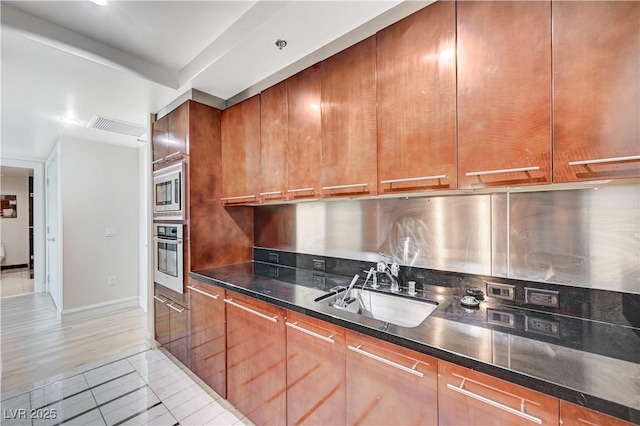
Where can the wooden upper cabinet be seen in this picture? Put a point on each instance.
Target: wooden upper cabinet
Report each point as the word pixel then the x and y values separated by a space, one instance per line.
pixel 256 359
pixel 504 93
pixel 349 157
pixel 177 132
pixel 466 397
pixel 159 140
pixel 574 415
pixel 389 384
pixel 416 90
pixel 241 162
pixel 304 148
pixel 273 142
pixel 596 71
pixel 316 388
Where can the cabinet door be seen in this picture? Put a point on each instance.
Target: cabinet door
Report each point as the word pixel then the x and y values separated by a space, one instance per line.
pixel 504 93
pixel 315 372
pixel 574 415
pixel 177 136
pixel 241 152
pixel 596 110
pixel 349 152
pixel 159 140
pixel 466 397
pixel 208 335
pixel 388 384
pixel 416 77
pixel 161 320
pixel 256 359
pixel 179 320
pixel 273 142
pixel 304 148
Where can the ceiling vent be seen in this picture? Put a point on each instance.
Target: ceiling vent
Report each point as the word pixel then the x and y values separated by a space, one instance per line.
pixel 116 126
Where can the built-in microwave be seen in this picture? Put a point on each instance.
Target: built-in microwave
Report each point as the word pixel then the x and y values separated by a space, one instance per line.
pixel 168 262
pixel 168 193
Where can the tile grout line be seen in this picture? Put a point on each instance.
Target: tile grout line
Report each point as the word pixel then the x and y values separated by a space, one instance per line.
pixel 138 413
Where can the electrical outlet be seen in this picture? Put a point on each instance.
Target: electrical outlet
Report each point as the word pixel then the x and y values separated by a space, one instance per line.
pixel 273 258
pixel 274 271
pixel 318 280
pixel 501 291
pixel 318 264
pixel 539 297
pixel 542 326
pixel 112 280
pixel 497 317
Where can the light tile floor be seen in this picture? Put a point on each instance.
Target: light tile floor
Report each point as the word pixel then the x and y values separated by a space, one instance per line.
pixel 147 388
pixel 15 281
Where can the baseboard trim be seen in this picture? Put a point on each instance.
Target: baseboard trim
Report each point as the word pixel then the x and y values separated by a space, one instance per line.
pixel 112 305
pixel 19 266
pixel 142 302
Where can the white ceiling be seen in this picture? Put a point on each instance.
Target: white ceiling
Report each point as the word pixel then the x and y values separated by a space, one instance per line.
pixel 132 58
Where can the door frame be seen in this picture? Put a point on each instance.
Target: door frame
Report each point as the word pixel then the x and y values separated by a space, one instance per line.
pixel 39 227
pixel 55 155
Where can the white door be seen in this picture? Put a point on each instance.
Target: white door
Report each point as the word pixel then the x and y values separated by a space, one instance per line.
pixel 53 231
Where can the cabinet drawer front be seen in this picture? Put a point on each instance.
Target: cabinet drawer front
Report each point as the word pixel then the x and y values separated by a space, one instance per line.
pixel 382 377
pixel 316 388
pixel 468 397
pixel 574 415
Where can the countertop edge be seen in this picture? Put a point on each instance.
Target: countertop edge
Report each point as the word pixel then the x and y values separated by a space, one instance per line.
pixel 564 393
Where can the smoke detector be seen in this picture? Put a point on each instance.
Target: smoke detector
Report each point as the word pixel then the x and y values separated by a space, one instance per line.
pixel 116 126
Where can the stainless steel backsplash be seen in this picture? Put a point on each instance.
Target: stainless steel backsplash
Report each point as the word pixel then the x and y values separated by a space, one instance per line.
pixel 581 237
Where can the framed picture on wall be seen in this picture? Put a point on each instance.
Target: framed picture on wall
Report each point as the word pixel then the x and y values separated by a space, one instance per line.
pixel 8 206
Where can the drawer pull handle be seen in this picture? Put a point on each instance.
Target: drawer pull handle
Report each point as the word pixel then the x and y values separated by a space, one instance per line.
pixel 264 194
pixel 415 179
pixel 242 197
pixel 160 299
pixel 301 190
pixel 295 326
pixel 604 160
pixel 159 160
pixel 519 413
pixel 167 241
pixel 385 361
pixel 175 154
pixel 498 172
pixel 175 309
pixel 251 311
pixel 197 290
pixel 355 185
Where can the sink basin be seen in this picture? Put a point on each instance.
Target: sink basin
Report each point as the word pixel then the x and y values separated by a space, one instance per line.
pixel 401 311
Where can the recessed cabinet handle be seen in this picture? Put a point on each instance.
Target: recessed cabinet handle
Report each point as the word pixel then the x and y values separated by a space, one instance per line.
pixel 604 160
pixel 251 311
pixel 415 179
pixel 519 413
pixel 386 361
pixel 237 198
pixel 354 185
pixel 175 309
pixel 497 172
pixel 295 326
pixel 160 299
pixel 197 290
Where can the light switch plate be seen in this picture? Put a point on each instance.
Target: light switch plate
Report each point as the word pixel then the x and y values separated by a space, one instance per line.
pixel 110 232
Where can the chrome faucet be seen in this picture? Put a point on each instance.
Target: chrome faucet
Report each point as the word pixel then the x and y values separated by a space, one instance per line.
pixel 392 271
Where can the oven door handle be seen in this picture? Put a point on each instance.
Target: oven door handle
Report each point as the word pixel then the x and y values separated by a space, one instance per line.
pixel 167 241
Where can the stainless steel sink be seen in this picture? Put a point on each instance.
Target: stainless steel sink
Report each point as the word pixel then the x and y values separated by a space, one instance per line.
pixel 401 311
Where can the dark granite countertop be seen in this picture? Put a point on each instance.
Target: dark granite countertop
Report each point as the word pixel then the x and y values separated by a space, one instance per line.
pixel 586 362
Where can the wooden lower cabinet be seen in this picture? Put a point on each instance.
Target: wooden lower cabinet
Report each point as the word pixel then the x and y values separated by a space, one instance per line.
pixel 208 335
pixel 389 384
pixel 466 397
pixel 172 327
pixel 575 415
pixel 256 359
pixel 316 388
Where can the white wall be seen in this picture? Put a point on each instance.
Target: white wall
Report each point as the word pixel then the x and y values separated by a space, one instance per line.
pixel 100 188
pixel 15 231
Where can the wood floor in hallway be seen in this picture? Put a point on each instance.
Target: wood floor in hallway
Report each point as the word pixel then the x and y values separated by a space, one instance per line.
pixel 36 346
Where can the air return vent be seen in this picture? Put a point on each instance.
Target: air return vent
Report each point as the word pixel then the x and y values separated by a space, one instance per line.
pixel 116 126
